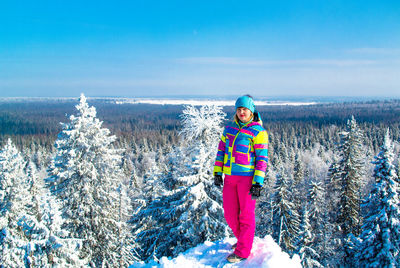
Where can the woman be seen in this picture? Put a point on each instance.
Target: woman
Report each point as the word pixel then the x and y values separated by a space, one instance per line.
pixel 243 157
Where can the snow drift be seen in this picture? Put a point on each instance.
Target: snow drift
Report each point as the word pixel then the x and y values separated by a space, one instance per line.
pixel 265 253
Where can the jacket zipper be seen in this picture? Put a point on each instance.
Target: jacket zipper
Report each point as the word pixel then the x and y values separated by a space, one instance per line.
pixel 233 143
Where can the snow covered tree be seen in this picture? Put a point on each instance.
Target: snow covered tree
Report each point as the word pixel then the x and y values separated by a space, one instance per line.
pixel 124 253
pixel 299 183
pixel 153 183
pixel 351 168
pixel 175 222
pixel 201 131
pixel 265 213
pixel 13 181
pixel 191 212
pixel 316 201
pixel 85 175
pixel 298 175
pixel 309 256
pixel 48 244
pixel 317 215
pixel 179 165
pixel 13 200
pixel 27 236
pixel 333 184
pixel 331 242
pixel 285 217
pixel 203 124
pixel 381 229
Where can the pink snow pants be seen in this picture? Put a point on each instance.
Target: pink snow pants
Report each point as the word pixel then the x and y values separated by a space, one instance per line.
pixel 239 211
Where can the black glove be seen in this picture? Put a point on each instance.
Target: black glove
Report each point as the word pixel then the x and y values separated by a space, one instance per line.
pixel 218 180
pixel 255 191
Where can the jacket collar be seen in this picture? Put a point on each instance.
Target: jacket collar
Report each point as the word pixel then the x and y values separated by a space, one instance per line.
pixel 241 124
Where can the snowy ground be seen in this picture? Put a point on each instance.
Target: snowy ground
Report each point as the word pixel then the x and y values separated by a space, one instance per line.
pixel 265 253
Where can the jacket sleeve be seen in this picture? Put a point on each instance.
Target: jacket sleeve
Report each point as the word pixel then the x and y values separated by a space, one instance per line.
pixel 261 152
pixel 219 162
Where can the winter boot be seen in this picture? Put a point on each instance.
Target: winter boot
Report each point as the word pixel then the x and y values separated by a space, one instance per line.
pixel 233 258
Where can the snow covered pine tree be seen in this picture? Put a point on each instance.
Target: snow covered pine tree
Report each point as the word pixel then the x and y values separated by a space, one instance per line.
pixel 380 246
pixel 351 173
pixel 13 199
pixel 30 233
pixel 307 254
pixel 286 219
pixel 85 175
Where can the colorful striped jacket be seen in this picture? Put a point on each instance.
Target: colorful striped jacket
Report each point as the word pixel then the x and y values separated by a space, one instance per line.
pixel 243 151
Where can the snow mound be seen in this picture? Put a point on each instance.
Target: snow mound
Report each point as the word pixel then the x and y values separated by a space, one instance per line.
pixel 265 253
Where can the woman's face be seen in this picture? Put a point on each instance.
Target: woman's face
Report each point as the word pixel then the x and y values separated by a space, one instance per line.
pixel 243 114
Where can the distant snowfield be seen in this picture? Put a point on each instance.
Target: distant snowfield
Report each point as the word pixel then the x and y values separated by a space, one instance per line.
pixel 197 102
pixel 265 253
pixel 157 101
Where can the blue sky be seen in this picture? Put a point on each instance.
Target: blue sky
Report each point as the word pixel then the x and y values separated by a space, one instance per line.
pixel 167 48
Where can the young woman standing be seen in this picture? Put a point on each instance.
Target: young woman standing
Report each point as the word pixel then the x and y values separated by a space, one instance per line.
pixel 243 158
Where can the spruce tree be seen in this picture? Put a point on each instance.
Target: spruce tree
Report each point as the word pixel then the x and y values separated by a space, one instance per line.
pixel 298 175
pixel 124 253
pixel 285 216
pixel 308 255
pixel 331 241
pixel 317 215
pixel 49 245
pixel 380 238
pixel 13 201
pixel 85 175
pixel 29 236
pixel 351 168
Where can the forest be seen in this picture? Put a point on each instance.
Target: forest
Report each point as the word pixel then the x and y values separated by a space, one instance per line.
pixel 90 182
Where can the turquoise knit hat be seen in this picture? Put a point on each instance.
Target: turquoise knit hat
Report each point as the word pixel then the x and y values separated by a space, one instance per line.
pixel 246 102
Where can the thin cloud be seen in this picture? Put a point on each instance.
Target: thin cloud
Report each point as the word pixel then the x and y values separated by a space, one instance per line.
pixel 254 62
pixel 376 51
pixel 221 61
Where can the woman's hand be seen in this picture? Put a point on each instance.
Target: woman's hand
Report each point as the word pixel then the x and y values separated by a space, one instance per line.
pixel 255 191
pixel 218 181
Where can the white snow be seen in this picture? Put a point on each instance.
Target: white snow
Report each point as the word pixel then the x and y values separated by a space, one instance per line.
pixel 265 253
pixel 159 101
pixel 201 102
